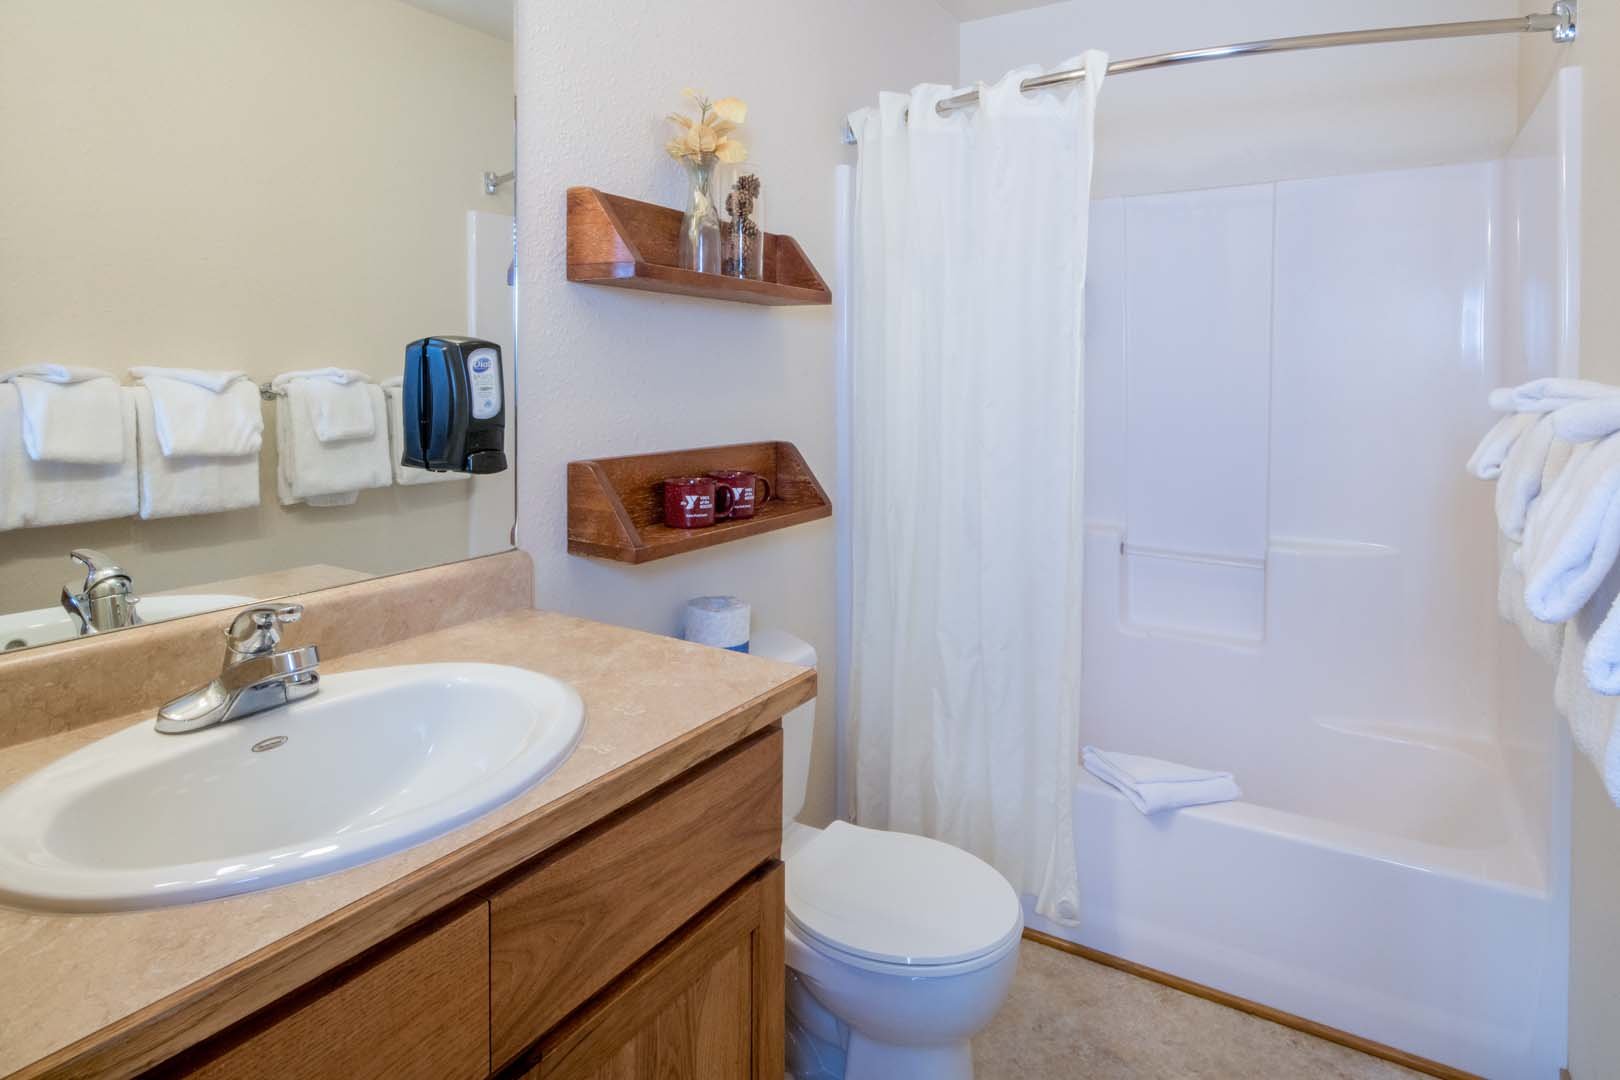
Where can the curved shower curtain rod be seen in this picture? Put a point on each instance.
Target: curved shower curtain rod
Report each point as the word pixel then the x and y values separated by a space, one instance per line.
pixel 1560 22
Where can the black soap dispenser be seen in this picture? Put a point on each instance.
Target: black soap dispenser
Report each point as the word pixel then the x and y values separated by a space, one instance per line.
pixel 452 406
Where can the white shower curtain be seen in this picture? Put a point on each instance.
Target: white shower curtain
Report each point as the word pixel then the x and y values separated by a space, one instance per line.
pixel 968 437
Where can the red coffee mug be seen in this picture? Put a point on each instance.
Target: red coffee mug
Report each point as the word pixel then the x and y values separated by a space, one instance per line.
pixel 693 502
pixel 743 486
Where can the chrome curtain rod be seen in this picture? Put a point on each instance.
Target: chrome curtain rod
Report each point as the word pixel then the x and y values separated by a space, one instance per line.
pixel 1560 22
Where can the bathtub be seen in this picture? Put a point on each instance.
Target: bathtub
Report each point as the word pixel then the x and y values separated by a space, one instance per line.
pixel 1419 917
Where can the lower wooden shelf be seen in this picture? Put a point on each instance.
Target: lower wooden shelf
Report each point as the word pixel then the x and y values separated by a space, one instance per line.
pixel 616 511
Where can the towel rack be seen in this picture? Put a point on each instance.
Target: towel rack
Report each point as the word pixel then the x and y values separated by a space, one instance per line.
pixel 270 393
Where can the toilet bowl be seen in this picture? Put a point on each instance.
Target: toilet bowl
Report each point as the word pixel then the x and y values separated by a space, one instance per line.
pixel 899 948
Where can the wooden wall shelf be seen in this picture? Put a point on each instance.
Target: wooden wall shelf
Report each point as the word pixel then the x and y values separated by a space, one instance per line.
pixel 616 506
pixel 632 245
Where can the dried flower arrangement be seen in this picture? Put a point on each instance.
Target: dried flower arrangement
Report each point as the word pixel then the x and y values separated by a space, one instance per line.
pixel 744 253
pixel 710 137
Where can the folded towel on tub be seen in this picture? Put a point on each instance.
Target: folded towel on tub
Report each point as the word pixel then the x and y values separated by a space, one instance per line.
pixel 1486 462
pixel 1153 785
pixel 1548 395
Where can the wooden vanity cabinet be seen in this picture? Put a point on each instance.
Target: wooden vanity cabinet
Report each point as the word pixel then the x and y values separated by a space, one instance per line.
pixel 650 944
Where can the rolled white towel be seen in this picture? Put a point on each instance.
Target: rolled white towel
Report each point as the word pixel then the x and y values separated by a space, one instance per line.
pixel 206 414
pixel 1572 541
pixel 1584 421
pixel 1520 481
pixel 1486 461
pixel 1548 395
pixel 70 415
pixel 337 402
pixel 1153 785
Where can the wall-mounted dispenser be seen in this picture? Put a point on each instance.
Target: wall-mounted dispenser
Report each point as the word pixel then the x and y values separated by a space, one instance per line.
pixel 454 415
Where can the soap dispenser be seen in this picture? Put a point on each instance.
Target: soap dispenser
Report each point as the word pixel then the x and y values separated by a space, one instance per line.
pixel 452 412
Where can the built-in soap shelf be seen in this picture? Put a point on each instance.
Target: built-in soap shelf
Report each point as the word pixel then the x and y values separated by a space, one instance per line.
pixel 616 511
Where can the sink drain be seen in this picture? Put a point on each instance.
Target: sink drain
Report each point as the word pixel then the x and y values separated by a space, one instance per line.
pixel 269 744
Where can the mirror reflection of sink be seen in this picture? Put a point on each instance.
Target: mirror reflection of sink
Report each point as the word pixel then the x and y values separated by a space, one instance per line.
pixel 378 761
pixel 21 629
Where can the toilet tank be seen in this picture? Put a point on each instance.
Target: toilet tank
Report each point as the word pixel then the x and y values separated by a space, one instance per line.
pixel 799 725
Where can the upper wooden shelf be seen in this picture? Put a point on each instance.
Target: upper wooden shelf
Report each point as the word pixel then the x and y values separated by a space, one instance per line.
pixel 616 505
pixel 617 241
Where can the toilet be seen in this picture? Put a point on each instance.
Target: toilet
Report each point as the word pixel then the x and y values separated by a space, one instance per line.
pixel 899 948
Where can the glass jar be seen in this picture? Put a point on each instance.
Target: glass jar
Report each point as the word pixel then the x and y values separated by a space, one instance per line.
pixel 699 246
pixel 742 221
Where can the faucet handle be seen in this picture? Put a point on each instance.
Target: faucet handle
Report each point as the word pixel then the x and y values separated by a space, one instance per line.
pixel 258 629
pixel 98 566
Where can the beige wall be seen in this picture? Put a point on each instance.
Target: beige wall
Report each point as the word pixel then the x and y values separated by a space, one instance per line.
pixel 260 184
pixel 610 371
pixel 1594 921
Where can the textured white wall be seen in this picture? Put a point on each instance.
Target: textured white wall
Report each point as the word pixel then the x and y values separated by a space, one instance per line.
pixel 607 371
pixel 1268 118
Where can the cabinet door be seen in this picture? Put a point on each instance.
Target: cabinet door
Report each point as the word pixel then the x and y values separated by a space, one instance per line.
pixel 705 1005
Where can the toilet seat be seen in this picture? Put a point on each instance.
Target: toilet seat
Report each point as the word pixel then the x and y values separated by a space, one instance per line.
pixel 886 901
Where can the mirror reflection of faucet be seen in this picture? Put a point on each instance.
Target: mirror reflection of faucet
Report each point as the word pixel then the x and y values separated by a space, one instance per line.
pixel 106 599
pixel 256 675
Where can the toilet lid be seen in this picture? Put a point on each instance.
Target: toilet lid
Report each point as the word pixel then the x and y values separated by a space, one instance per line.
pixel 898 898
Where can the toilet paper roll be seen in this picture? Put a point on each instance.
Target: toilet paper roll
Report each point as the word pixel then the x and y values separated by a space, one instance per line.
pixel 721 621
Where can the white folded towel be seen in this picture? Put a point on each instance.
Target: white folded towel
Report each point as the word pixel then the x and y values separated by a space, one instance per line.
pixel 71 415
pixel 327 473
pixel 1548 395
pixel 1486 462
pixel 407 476
pixel 1153 785
pixel 1584 421
pixel 337 401
pixel 1546 640
pixel 1591 715
pixel 202 413
pixel 1520 481
pixel 1572 541
pixel 178 486
pixel 36 493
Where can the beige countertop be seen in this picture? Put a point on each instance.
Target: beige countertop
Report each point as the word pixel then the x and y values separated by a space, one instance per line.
pixel 83 994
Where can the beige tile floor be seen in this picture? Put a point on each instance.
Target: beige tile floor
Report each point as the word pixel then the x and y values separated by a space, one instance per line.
pixel 1067 1017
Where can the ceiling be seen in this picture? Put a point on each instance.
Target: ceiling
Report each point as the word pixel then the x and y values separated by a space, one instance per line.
pixel 983 9
pixel 493 17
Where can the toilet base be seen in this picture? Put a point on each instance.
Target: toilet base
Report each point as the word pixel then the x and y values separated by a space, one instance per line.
pixel 868 1059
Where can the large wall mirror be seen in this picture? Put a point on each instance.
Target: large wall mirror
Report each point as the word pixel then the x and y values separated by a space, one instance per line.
pixel 191 188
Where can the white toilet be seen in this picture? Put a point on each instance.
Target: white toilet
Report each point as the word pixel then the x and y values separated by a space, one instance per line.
pixel 899 948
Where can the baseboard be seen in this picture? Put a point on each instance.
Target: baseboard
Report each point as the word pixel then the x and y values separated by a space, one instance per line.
pixel 1254 1008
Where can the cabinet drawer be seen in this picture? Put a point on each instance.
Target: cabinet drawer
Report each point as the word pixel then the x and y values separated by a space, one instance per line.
pixel 414 1009
pixel 574 922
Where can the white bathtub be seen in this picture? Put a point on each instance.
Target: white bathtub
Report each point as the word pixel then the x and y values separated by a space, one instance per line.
pixel 1378 885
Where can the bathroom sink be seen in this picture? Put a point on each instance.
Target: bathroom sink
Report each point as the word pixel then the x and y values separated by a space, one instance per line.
pixel 377 761
pixel 20 629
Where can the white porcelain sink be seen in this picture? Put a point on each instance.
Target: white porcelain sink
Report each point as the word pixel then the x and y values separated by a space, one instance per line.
pixel 375 762
pixel 20 629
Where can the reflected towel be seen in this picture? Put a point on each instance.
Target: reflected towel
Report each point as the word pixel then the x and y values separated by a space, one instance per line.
pixel 1153 785
pixel 327 473
pixel 70 415
pixel 202 413
pixel 36 493
pixel 179 486
pixel 336 400
pixel 407 475
pixel 1548 395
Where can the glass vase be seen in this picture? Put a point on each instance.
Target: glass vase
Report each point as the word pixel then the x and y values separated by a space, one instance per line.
pixel 699 247
pixel 742 222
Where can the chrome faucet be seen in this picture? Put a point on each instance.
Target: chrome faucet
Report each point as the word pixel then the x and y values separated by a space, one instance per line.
pixel 256 676
pixel 106 600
